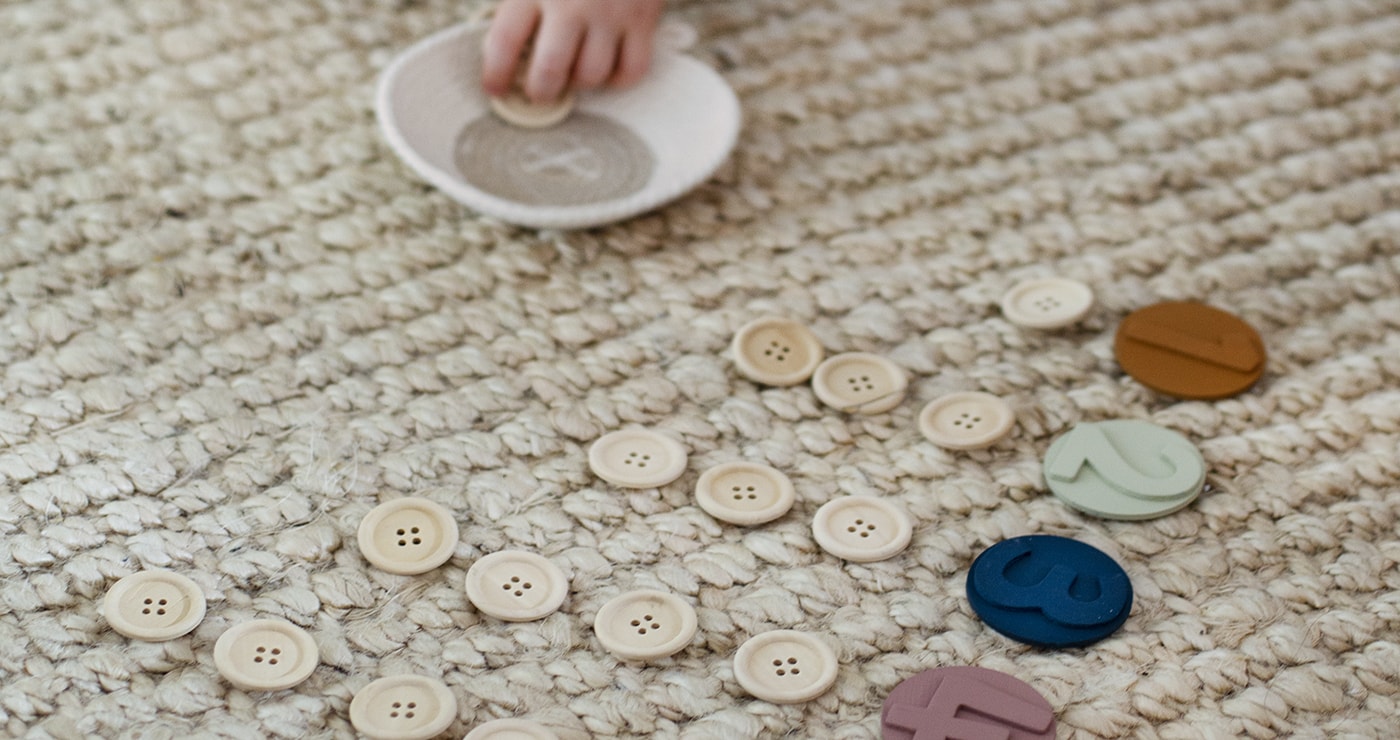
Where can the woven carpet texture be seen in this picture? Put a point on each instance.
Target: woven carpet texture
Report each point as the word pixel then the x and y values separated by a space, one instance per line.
pixel 232 322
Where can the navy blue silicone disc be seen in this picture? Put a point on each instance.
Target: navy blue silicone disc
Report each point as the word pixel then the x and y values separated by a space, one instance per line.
pixel 1049 591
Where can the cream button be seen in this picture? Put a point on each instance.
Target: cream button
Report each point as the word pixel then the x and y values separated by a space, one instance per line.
pixel 744 493
pixel 645 625
pixel 511 729
pixel 785 666
pixel 966 421
pixel 403 708
pixel 859 382
pixel 516 586
pixel 776 351
pixel 862 529
pixel 637 458
pixel 1047 303
pixel 265 655
pixel 154 605
pixel 408 535
pixel 518 110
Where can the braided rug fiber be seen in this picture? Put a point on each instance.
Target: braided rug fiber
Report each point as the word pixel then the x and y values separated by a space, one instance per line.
pixel 232 322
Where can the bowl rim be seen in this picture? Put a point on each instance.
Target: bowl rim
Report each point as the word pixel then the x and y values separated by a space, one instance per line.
pixel 651 196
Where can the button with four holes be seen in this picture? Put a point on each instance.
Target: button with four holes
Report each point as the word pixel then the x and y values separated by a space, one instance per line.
pixel 859 382
pixel 407 535
pixel 785 666
pixel 154 605
pixel 403 708
pixel 776 351
pixel 1047 303
pixel 645 625
pixel 637 458
pixel 862 529
pixel 744 493
pixel 511 729
pixel 516 586
pixel 265 655
pixel 966 421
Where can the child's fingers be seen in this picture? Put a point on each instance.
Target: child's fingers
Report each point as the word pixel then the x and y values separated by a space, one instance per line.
pixel 507 37
pixel 556 47
pixel 598 58
pixel 633 59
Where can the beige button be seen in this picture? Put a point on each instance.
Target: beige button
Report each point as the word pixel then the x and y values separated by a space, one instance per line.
pixel 516 586
pixel 511 729
pixel 1047 303
pixel 408 535
pixel 403 708
pixel 637 458
pixel 265 655
pixel 862 529
pixel 744 493
pixel 516 109
pixel 859 382
pixel 966 421
pixel 645 625
pixel 776 351
pixel 154 605
pixel 785 666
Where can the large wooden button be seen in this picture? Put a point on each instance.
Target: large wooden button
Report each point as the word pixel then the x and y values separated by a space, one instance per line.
pixel 265 655
pixel 1190 350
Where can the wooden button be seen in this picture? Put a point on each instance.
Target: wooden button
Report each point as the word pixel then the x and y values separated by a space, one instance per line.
pixel 859 383
pixel 154 605
pixel 776 351
pixel 637 458
pixel 645 625
pixel 1190 350
pixel 785 666
pixel 403 708
pixel 1047 303
pixel 744 493
pixel 265 655
pixel 516 586
pixel 969 420
pixel 407 536
pixel 862 529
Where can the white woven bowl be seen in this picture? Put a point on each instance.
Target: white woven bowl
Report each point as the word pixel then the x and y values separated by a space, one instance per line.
pixel 683 111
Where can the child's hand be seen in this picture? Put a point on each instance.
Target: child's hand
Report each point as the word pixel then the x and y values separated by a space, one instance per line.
pixel 577 44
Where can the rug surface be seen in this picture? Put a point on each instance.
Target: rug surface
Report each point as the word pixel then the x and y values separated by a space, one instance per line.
pixel 232 322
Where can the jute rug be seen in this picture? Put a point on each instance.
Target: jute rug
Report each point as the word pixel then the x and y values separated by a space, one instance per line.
pixel 233 322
